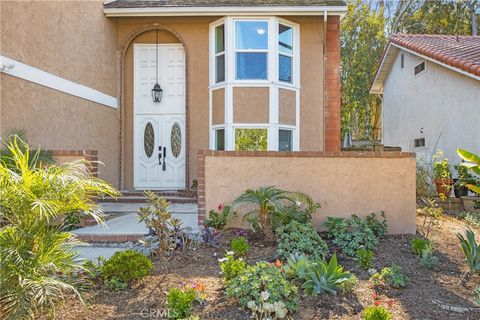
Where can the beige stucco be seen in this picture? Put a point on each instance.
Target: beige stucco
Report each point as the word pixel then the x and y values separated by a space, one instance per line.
pixel 286 106
pixel 250 105
pixel 343 186
pixel 218 106
pixel 312 83
pixel 72 40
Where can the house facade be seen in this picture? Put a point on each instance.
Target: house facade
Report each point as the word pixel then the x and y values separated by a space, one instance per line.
pixel 84 76
pixel 430 88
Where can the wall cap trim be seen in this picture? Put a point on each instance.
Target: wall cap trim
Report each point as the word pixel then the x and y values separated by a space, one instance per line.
pixel 49 80
pixel 308 154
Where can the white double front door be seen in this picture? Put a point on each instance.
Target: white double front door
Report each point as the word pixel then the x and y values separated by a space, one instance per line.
pixel 159 128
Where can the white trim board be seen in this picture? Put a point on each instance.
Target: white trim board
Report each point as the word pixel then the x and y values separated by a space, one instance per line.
pixel 32 74
pixel 225 11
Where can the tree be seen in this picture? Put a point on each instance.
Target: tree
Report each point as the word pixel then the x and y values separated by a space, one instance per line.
pixel 362 41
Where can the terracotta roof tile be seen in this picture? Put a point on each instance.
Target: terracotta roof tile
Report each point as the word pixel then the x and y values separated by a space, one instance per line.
pixel 219 3
pixel 462 52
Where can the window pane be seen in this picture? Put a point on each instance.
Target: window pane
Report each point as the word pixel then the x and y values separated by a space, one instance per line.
pixel 285 39
pixel 251 139
pixel 285 68
pixel 251 66
pixel 251 34
pixel 220 68
pixel 285 140
pixel 219 39
pixel 220 139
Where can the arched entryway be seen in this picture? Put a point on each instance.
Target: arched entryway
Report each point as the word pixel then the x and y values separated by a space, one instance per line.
pixel 154 141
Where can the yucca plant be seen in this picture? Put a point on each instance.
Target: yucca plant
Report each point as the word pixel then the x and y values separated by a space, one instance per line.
pixel 471 250
pixel 36 258
pixel 270 203
pixel 473 165
pixel 324 277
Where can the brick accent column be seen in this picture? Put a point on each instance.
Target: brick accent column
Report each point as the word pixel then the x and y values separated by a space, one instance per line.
pixel 201 186
pixel 332 78
pixel 90 155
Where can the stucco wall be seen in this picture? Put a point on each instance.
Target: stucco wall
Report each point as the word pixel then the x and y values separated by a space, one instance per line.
pixel 250 105
pixel 286 107
pixel 443 102
pixel 75 41
pixel 218 106
pixel 343 183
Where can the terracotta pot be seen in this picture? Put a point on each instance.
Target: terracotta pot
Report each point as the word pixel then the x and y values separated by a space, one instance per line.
pixel 444 186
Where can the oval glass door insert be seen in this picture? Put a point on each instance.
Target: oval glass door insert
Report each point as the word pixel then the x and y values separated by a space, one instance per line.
pixel 176 139
pixel 148 139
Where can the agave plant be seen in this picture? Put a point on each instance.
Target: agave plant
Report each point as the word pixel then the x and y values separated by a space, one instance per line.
pixel 36 257
pixel 324 277
pixel 473 164
pixel 471 250
pixel 270 203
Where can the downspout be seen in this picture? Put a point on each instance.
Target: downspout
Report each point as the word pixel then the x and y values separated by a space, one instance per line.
pixel 324 76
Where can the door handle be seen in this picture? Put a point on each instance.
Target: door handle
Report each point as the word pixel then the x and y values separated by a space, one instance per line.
pixel 164 166
pixel 160 155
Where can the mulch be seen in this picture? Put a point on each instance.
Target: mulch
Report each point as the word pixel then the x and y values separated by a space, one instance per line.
pixel 145 300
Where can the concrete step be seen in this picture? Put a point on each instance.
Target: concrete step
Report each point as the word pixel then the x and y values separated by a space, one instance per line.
pixel 126 226
pixel 142 199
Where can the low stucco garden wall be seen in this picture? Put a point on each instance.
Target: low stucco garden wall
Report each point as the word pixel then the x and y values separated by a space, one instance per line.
pixel 343 183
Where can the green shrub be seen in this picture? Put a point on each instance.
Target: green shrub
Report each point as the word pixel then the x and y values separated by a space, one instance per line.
pixel 296 237
pixel 350 284
pixel 471 218
pixel 376 313
pixel 364 258
pixel 240 246
pixel 324 277
pixel 419 245
pixel 37 258
pixel 476 295
pixel 269 204
pixel 353 233
pixel 378 225
pixel 231 267
pixel 428 260
pixel 389 276
pixel 115 284
pixel 263 278
pixel 126 266
pixel 471 250
pixel 179 302
pixel 218 220
pixel 294 212
pixel 296 265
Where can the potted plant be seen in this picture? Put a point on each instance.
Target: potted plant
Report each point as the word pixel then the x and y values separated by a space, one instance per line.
pixel 442 175
pixel 463 179
pixel 471 204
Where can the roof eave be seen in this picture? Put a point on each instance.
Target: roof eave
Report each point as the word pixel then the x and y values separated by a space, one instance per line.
pixel 224 11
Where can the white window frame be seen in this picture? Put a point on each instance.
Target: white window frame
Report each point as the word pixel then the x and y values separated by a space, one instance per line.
pixel 272 52
pixel 292 55
pixel 272 83
pixel 292 129
pixel 265 51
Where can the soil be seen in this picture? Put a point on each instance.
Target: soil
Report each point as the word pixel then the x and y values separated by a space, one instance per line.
pixel 145 299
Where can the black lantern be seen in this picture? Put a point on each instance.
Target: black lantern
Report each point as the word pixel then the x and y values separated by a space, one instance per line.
pixel 157 91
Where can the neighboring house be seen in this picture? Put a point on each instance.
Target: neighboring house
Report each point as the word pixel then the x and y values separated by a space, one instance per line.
pixel 430 88
pixel 78 75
